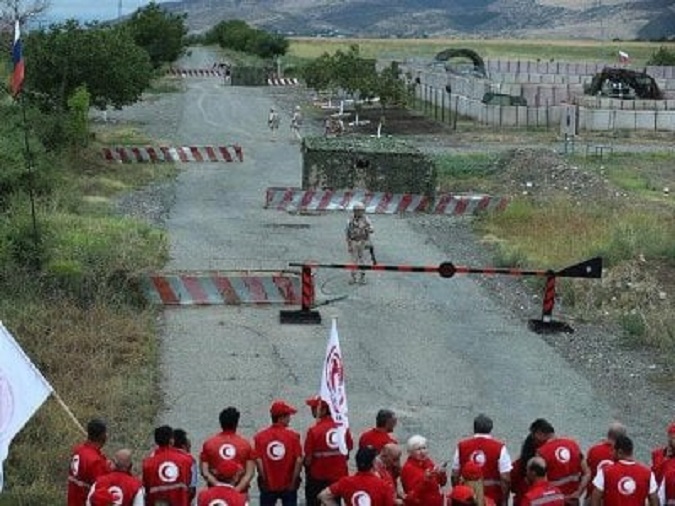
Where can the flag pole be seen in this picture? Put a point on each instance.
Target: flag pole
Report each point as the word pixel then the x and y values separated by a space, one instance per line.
pixel 65 407
pixel 31 190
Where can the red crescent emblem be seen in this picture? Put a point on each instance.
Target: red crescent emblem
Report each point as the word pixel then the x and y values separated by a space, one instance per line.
pixel 627 485
pixel 361 498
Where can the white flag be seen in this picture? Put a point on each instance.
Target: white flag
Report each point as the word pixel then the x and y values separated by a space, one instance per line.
pixel 333 389
pixel 623 57
pixel 23 389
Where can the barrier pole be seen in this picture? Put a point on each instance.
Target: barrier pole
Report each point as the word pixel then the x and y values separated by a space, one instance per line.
pixel 547 325
pixel 305 315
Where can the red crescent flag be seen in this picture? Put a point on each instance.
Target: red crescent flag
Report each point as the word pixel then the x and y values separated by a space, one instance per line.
pixel 17 60
pixel 623 57
pixel 333 389
pixel 23 390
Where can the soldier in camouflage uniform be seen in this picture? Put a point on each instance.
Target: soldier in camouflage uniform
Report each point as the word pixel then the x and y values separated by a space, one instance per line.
pixel 357 234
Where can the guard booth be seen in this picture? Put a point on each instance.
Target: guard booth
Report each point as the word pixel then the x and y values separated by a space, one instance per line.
pixel 250 75
pixel 368 163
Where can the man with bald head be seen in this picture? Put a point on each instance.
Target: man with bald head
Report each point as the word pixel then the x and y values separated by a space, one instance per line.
pixel 118 487
pixel 387 466
pixel 540 492
pixel 602 453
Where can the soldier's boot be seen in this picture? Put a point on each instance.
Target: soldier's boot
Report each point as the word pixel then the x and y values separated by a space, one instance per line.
pixel 362 278
pixel 352 279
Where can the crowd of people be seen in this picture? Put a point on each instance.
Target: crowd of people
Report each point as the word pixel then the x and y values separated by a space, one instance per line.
pixel 550 471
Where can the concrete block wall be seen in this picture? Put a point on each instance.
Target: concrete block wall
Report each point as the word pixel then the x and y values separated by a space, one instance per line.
pixel 546 96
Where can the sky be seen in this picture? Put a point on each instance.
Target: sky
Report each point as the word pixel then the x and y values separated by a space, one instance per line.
pixel 87 10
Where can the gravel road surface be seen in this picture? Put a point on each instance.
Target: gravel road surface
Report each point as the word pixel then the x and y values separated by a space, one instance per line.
pixel 436 351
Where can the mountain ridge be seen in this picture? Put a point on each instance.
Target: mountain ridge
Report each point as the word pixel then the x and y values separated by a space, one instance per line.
pixel 599 19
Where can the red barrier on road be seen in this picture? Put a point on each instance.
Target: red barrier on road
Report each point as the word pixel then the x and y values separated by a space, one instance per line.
pixel 184 154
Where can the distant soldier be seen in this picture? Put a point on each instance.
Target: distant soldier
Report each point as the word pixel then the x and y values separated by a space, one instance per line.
pixel 357 234
pixel 296 122
pixel 273 122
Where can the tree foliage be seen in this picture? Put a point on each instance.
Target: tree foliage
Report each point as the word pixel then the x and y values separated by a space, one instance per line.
pixel 161 33
pixel 356 76
pixel 662 57
pixel 106 60
pixel 239 36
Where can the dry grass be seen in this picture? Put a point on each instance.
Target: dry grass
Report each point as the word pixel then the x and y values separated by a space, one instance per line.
pixel 526 49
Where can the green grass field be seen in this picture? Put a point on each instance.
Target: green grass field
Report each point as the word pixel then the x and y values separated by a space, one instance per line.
pixel 562 50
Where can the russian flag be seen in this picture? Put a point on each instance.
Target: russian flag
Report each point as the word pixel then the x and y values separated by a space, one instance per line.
pixel 17 59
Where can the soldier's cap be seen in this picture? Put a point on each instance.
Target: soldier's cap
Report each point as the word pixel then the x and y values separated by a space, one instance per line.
pixel 461 493
pixel 472 471
pixel 315 401
pixel 671 429
pixel 281 408
pixel 227 468
pixel 102 497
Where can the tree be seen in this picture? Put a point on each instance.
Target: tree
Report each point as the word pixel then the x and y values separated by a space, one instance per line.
pixel 159 32
pixel 22 10
pixel 662 57
pixel 106 60
pixel 239 36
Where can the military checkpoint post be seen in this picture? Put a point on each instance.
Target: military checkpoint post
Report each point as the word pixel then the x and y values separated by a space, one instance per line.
pixel 551 470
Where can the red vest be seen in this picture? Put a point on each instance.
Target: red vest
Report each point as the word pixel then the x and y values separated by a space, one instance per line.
pixel 485 452
pixel 669 486
pixel 626 484
pixel 121 485
pixel 321 447
pixel 563 463
pixel 363 488
pixel 278 448
pixel 86 465
pixel 216 496
pixel 377 438
pixel 420 489
pixel 599 456
pixel 542 493
pixel 166 477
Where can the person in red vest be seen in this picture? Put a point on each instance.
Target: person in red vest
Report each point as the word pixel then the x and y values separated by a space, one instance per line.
pixel 421 478
pixel 625 482
pixel 324 463
pixel 565 464
pixel 278 456
pixel 382 433
pixel 119 485
pixel 87 463
pixel 228 472
pixel 183 443
pixel 602 454
pixel 228 445
pixel 364 487
pixel 663 457
pixel 167 472
pixel 488 453
pixel 388 467
pixel 540 492
pixel 667 489
pixel 519 484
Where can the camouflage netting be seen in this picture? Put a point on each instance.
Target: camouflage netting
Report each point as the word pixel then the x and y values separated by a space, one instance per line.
pixel 383 164
pixel 250 75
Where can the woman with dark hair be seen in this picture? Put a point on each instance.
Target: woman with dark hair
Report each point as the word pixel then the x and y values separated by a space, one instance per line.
pixel 519 483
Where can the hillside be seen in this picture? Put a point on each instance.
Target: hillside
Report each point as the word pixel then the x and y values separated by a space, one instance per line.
pixel 605 19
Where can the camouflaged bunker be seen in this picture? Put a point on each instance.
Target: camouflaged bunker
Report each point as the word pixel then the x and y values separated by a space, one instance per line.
pixel 374 164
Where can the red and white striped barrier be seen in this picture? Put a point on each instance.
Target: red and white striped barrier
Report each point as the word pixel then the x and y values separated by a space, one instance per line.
pixel 297 199
pixel 185 154
pixel 221 288
pixel 195 72
pixel 283 81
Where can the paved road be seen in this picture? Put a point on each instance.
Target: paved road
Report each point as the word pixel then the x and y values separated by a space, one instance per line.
pixel 436 351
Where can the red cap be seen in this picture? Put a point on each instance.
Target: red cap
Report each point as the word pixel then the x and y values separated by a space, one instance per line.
pixel 315 401
pixel 226 469
pixel 472 471
pixel 102 497
pixel 281 408
pixel 461 493
pixel 671 429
